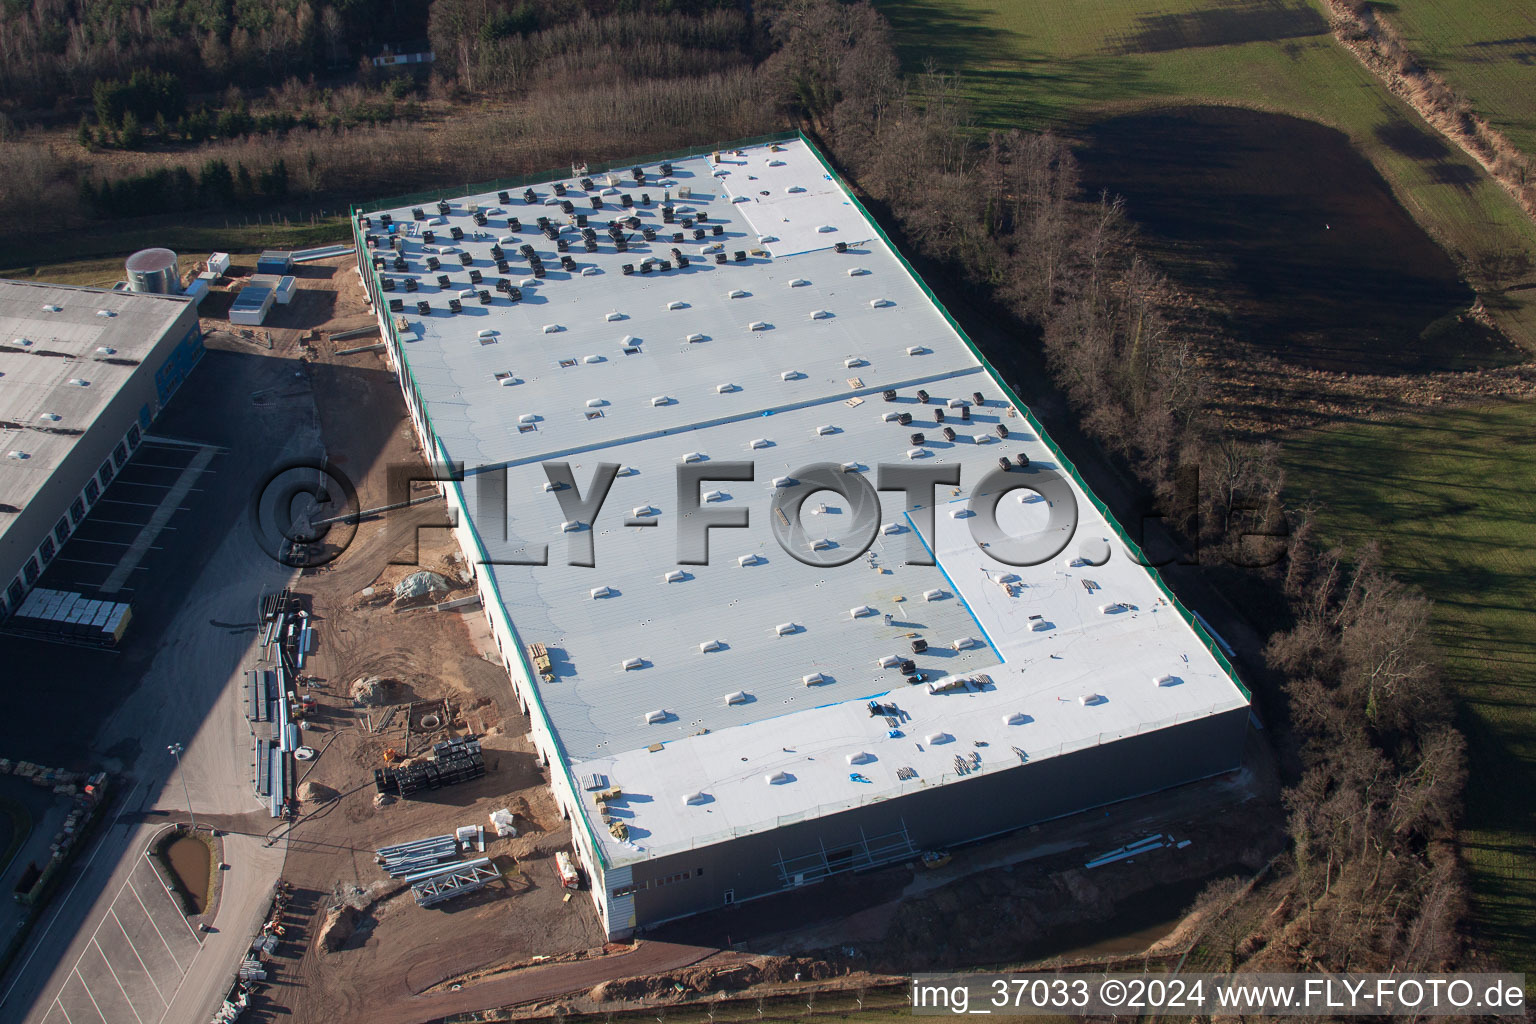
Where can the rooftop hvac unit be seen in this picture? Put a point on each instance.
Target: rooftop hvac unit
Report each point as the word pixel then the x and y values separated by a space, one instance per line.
pixel 1165 680
pixel 628 269
pixel 1015 718
pixel 552 328
pixel 664 400
pixel 889 661
pixel 776 778
pixel 891 528
pixel 739 697
pixel 675 576
pixel 965 643
pixel 904 418
pixel 428 237
pixel 598 592
pixel 840 246
pixel 785 629
pixel 916 350
pixel 860 757
pixel 485 297
pixel 530 196
pixel 719 257
pixel 825 429
pixel 860 612
pixel 916 453
pixel 424 308
pixel 784 481
pixel 711 645
pixel 570 526
pixel 396 305
pixel 652 717
pixel 814 679
pixel 821 544
pixel 513 224
pixel 503 198
pixel 935 738
pixel 740 255
pixel 821 314
pixel 949 433
pixel 694 457
pixel 750 560
pixel 715 496
pixel 455 306
pixel 696 798
pixel 917 438
pixel 935 595
pixel 758 325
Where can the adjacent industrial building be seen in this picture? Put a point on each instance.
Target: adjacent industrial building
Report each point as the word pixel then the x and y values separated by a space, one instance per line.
pixel 83 374
pixel 846 668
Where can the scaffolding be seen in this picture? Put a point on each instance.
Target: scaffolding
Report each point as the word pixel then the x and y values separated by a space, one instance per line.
pixel 453 880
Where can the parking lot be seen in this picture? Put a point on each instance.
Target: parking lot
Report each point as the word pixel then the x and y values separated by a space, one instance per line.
pixel 130 970
pixel 117 543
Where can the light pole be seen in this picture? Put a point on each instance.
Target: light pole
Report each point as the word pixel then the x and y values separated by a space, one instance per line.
pixel 176 749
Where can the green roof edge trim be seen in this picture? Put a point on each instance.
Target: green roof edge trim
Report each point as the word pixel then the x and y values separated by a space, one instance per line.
pixel 1200 631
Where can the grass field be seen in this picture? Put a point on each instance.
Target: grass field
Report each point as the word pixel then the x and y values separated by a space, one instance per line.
pixel 1450 495
pixel 1485 50
pixel 1452 499
pixel 1041 64
pixel 98 260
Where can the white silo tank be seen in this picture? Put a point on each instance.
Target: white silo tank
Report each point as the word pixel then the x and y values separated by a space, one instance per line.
pixel 154 271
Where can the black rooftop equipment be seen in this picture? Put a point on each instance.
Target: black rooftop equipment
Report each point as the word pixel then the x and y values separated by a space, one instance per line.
pixel 922 396
pixel 904 418
pixel 443 207
pixel 385 219
pixel 418 213
pixel 455 306
pixel 424 307
pixel 581 220
pixel 456 232
pixel 740 255
pixel 626 200
pixel 1004 464
pixel 400 263
pixel 976 397
pixel 638 174
pixel 840 246
pixel 502 197
pixel 889 394
pixel 628 268
pixel 701 216
pixel 428 237
pixel 410 284
pixel 396 305
pixel 530 196
pixel 538 270
pixel 479 219
pixel 677 236
pixel 513 224
pixel 949 433
pixel 645 199
pixel 919 645
pixel 514 293
pixel 567 207
pixel 649 233
pixel 917 439
pixel 474 277
pixel 559 188
pixel 666 169
pixel 633 223
pixel 938 415
pixel 466 259
pixel 543 223
pixel 1022 460
pixel 503 285
pixel 698 234
pixel 388 284
pixel 682 261
pixel 485 297
pixel 687 222
pixel 567 263
pixel 666 215
pixel 586 184
pixel 965 413
pixel 665 265
pixel 716 229
pixel 597 202
pixel 442 280
pixel 622 245
pixel 561 245
pixel 1002 431
pixel 719 257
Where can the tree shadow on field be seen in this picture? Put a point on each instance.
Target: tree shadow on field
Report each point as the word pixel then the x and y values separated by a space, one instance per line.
pixel 1251 22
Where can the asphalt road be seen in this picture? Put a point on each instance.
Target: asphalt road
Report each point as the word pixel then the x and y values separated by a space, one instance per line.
pixel 177 679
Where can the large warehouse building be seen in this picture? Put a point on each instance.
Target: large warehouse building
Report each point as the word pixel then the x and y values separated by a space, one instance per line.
pixel 83 373
pixel 861 667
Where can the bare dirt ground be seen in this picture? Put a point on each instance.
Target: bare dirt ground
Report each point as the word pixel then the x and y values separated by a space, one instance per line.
pixel 521 942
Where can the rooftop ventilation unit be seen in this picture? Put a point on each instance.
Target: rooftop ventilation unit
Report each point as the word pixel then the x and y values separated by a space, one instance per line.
pixel 1089 700
pixel 776 778
pixel 662 400
pixel 643 512
pixel 694 457
pixel 17 454
pixel 694 337
pixel 854 362
pixel 750 560
pixel 598 592
pixel 592 359
pixel 699 797
pixel 710 645
pixel 916 453
pixel 965 643
pixel 784 481
pixel 1165 680
pixel 739 697
pixel 860 612
pixel 715 496
pixel 79 382
pixel 935 595
pixel 51 308
pixel 880 303
pixel 652 717
pixel 892 528
pixel 935 738
pixel 916 350
pixel 798 282
pixel 857 271
pixel 736 293
pixel 550 328
pixel 785 629
pixel 821 544
pixel 825 429
pixel 893 416
pixel 1015 718
pixel 677 304
pixel 840 246
pixel 889 661
pixel 761 442
pixel 860 757
pixel 570 526
pixel 791 375
pixel 821 314
pixel 675 576
pixel 814 679
pixel 758 325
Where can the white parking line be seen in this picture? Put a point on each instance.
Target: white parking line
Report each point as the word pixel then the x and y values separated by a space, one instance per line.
pixel 88 995
pixel 135 950
pixel 115 978
pixel 65 1012
pixel 152 924
pixel 156 872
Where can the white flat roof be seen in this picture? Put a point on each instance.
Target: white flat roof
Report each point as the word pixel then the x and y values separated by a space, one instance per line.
pixel 780 360
pixel 62 360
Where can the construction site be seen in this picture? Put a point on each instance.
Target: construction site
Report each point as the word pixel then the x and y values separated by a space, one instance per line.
pixel 440 810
